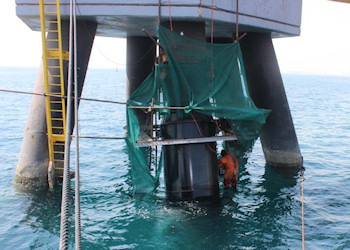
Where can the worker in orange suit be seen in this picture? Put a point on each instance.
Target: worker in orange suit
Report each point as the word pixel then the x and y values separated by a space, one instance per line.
pixel 231 168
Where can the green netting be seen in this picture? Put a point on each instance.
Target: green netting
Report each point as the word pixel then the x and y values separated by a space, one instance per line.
pixel 202 77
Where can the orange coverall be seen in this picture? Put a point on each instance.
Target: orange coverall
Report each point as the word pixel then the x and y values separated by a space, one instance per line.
pixel 231 169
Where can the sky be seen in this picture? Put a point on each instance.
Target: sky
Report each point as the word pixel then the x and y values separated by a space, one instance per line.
pixel 323 48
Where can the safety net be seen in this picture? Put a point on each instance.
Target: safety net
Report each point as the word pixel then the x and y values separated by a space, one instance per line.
pixel 196 77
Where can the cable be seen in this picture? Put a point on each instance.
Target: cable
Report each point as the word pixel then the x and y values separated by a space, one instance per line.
pixel 104 55
pixel 237 20
pixel 99 137
pixel 76 121
pixel 170 19
pixel 200 133
pixel 302 210
pixel 159 11
pixel 64 234
pixel 59 96
pixel 212 22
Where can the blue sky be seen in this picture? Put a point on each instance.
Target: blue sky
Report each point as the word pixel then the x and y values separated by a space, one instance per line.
pixel 323 47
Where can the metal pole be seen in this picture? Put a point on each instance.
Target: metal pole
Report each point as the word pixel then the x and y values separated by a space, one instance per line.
pixel 237 20
pixel 151 135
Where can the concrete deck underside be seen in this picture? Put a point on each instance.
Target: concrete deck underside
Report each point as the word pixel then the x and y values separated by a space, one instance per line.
pixel 117 18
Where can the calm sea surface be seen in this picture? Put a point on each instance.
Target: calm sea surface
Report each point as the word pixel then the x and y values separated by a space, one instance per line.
pixel 265 213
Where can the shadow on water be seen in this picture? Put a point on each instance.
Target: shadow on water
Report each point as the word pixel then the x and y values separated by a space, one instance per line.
pixel 43 208
pixel 267 225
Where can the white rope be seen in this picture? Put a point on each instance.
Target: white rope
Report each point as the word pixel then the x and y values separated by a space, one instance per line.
pixel 64 234
pixel 76 121
pixel 302 210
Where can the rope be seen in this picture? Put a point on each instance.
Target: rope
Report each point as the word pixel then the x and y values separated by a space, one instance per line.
pixel 103 54
pixel 237 25
pixel 170 19
pixel 76 120
pixel 302 179
pixel 200 133
pixel 212 22
pixel 159 11
pixel 99 137
pixel 200 12
pixel 60 96
pixel 64 236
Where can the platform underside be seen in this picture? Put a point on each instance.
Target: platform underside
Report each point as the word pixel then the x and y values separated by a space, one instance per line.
pixel 117 18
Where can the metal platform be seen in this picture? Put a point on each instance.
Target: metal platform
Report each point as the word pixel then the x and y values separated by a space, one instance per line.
pixel 150 142
pixel 122 18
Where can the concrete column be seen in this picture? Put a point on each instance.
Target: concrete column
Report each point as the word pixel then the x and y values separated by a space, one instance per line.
pixel 34 158
pixel 140 59
pixel 278 137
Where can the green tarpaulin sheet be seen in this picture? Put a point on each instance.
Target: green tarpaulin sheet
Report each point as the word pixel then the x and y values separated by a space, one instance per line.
pixel 202 77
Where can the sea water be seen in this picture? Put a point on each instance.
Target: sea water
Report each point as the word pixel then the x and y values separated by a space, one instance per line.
pixel 265 212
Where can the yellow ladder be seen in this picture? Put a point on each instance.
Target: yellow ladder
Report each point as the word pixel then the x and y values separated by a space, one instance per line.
pixel 53 56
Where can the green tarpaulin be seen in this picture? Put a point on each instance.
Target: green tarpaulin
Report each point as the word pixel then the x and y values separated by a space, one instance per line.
pixel 202 77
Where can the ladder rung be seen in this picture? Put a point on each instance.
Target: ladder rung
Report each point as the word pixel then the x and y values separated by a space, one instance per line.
pixel 55 102
pixel 58 138
pixel 55 75
pixel 57 127
pixel 57 110
pixel 53 67
pixel 58 160
pixel 57 119
pixel 51 40
pixel 58 143
pixel 53 53
pixel 58 152
pixel 49 3
pixel 50 21
pixel 51 12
